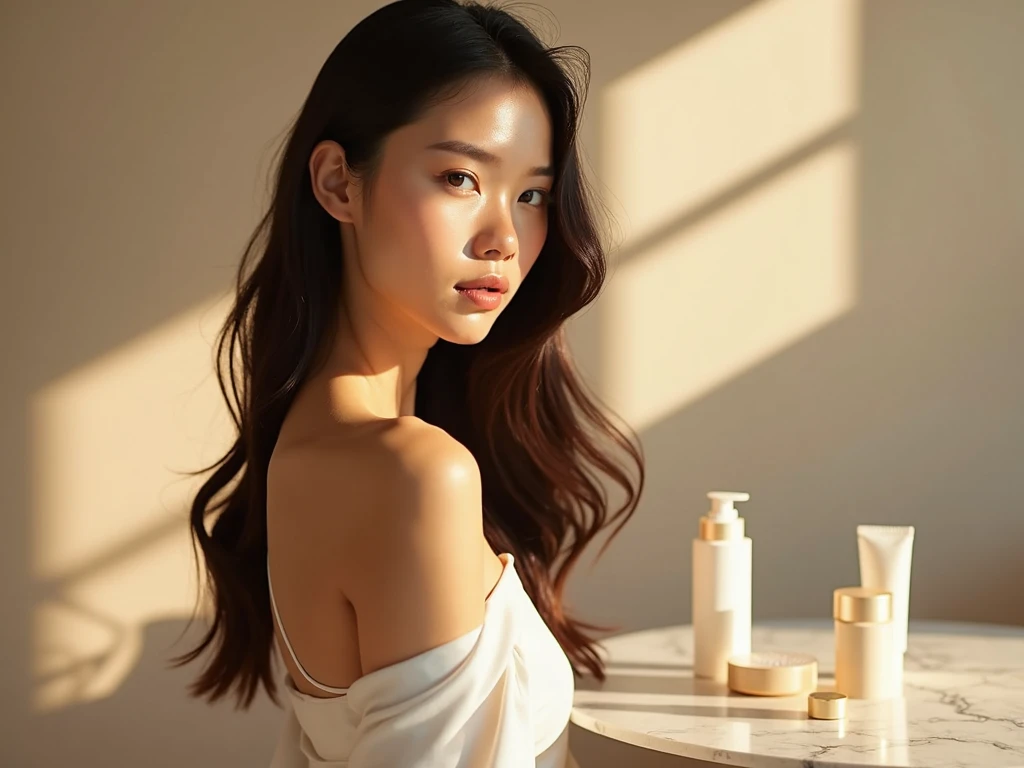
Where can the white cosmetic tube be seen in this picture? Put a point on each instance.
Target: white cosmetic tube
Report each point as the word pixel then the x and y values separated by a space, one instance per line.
pixel 885 553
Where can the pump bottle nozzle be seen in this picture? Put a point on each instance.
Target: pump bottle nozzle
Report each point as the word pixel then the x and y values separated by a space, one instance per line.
pixel 722 509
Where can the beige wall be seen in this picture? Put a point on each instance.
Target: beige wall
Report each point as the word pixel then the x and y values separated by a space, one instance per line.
pixel 816 298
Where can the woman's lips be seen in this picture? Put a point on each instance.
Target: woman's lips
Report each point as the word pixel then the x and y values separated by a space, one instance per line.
pixel 482 297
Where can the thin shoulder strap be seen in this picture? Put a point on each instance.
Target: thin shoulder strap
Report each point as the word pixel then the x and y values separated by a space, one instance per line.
pixel 288 645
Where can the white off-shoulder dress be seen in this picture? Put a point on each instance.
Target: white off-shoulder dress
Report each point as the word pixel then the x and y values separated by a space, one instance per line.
pixel 497 697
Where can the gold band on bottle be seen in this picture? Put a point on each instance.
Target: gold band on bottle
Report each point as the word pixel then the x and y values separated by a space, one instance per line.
pixel 712 531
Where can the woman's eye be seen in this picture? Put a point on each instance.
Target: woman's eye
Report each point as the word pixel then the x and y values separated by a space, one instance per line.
pixel 450 176
pixel 542 196
pixel 457 180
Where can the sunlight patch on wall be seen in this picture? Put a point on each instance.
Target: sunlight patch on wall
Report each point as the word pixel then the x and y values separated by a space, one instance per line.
pixel 692 122
pixel 733 161
pixel 714 300
pixel 109 531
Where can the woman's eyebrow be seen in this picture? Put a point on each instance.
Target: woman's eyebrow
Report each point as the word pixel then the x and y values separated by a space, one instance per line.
pixel 482 155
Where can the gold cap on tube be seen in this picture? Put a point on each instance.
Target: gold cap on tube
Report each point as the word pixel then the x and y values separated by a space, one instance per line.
pixel 856 604
pixel 773 674
pixel 826 705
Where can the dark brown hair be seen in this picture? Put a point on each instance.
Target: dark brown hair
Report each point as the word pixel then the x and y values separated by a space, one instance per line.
pixel 515 399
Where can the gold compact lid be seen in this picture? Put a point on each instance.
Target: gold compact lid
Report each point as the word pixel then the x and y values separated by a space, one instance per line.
pixel 826 705
pixel 856 604
pixel 773 673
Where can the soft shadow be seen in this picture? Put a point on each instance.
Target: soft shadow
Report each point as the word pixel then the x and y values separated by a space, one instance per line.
pixel 626 666
pixel 678 685
pixel 690 710
pixel 149 720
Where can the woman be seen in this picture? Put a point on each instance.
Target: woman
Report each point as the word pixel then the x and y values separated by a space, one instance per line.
pixel 416 468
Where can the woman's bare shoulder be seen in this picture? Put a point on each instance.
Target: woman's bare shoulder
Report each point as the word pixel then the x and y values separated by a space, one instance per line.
pixel 378 457
pixel 401 507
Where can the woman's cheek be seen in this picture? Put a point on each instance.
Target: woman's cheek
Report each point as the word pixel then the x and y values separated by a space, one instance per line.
pixel 531 248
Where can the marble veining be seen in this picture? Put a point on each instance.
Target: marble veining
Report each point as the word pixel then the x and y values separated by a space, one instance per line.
pixel 962 703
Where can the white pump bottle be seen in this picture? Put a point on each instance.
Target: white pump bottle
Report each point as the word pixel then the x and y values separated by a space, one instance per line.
pixel 722 559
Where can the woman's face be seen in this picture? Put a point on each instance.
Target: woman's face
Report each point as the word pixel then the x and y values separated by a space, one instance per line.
pixel 459 195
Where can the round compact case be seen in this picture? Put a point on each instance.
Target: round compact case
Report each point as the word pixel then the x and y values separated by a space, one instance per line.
pixel 773 673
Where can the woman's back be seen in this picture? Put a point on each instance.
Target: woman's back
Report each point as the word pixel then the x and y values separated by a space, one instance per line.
pixel 384 520
pixel 386 594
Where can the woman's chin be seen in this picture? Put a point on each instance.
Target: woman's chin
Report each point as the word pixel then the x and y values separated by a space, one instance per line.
pixel 468 332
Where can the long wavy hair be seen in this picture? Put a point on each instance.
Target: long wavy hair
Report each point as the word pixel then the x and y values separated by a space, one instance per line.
pixel 515 399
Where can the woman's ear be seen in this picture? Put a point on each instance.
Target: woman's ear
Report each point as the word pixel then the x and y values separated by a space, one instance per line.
pixel 333 184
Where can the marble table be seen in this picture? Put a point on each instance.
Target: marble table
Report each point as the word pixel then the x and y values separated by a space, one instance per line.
pixel 962 703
